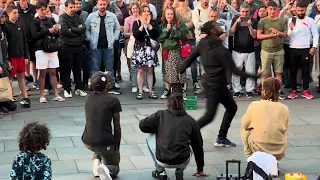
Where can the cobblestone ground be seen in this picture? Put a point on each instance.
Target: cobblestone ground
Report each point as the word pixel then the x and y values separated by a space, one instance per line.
pixel 72 161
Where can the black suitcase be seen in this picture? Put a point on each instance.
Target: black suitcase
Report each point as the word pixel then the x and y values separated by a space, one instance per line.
pixel 228 176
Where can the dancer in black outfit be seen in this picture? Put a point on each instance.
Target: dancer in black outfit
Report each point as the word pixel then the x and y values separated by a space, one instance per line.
pixel 215 60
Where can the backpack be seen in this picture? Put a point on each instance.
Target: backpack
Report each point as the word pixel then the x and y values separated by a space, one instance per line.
pixel 252 167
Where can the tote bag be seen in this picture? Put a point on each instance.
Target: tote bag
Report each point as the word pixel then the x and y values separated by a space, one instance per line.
pixel 5 89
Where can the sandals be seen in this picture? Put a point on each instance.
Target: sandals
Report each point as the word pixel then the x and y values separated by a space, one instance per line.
pixel 139 96
pixel 43 100
pixel 59 99
pixel 153 95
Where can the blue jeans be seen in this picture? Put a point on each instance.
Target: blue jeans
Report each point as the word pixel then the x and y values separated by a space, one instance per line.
pixel 105 55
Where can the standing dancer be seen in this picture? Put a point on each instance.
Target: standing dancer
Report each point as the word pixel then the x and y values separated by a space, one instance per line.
pixel 216 59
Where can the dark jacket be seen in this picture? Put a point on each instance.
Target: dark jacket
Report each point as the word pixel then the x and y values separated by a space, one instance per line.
pixel 70 33
pixel 175 131
pixel 40 30
pixel 26 16
pixel 141 37
pixel 17 41
pixel 216 59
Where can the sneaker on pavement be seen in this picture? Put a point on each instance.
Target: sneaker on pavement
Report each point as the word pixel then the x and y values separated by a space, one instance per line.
pixel 293 95
pixel 196 86
pixel 159 175
pixel 95 166
pixel 116 85
pixel 80 92
pixel 114 91
pixel 237 95
pixel 26 103
pixel 27 87
pixel 145 89
pixel 224 142
pixel 67 94
pixel 249 95
pixel 134 89
pixel 179 174
pixel 165 94
pixel 282 96
pixel 104 172
pixel 35 85
pixel 257 91
pixel 306 94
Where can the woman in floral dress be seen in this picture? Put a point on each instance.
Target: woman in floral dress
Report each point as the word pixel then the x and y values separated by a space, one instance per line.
pixel 144 56
pixel 172 30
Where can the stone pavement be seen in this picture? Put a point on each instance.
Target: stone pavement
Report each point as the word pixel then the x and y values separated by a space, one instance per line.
pixel 72 161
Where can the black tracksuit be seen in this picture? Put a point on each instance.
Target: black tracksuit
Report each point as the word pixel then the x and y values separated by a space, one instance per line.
pixel 215 59
pixel 17 41
pixel 175 131
pixel 71 52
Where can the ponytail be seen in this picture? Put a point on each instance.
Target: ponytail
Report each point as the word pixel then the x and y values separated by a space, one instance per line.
pixel 272 87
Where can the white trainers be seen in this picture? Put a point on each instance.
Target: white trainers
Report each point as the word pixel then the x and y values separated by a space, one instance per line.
pixel 67 95
pixel 96 164
pixel 134 89
pixel 116 85
pixel 81 93
pixel 145 89
pixel 104 172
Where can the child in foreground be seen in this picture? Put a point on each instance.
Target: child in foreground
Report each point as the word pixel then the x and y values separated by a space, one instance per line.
pixel 30 163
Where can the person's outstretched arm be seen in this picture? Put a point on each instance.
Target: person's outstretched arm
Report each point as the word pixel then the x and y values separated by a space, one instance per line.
pixel 150 124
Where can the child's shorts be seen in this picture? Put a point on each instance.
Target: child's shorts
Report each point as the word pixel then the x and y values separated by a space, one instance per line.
pixel 19 66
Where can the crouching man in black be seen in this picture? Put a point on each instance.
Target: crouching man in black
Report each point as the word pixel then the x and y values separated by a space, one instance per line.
pixel 172 131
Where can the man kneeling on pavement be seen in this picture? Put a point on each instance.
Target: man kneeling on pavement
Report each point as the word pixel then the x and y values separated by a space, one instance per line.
pixel 172 131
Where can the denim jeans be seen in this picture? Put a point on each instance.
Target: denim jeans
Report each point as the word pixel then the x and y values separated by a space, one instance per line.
pixel 105 55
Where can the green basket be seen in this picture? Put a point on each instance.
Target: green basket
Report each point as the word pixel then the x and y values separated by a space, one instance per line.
pixel 190 103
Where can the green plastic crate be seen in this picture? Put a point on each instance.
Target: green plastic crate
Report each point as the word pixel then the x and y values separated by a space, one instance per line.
pixel 190 103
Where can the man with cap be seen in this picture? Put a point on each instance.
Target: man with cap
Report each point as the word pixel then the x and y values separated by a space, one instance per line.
pixel 101 110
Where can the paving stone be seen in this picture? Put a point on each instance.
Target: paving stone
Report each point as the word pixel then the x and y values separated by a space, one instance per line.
pixel 305 140
pixel 144 148
pixel 51 153
pixel 308 166
pixel 149 110
pixel 127 128
pixel 5 171
pixel 78 176
pixel 70 112
pixel 64 167
pixel 8 134
pixel 79 121
pixel 142 162
pixel 133 138
pixel 130 150
pixel 6 117
pixel 11 145
pixel 140 117
pixel 128 119
pixel 220 157
pixel 1 146
pixel 55 123
pixel 7 125
pixel 73 153
pixel 302 152
pixel 67 131
pixel 8 157
pixel 78 142
pixel 296 121
pixel 85 165
pixel 312 176
pixel 35 115
pixel 311 119
pixel 305 130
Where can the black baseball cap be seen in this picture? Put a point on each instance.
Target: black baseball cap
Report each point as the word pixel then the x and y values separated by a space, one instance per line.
pixel 99 80
pixel 272 4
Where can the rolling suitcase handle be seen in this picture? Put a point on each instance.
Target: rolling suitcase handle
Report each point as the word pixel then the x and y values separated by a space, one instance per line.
pixel 227 168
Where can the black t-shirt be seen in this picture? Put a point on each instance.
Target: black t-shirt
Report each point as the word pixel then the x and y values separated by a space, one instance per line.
pixel 243 41
pixel 102 41
pixel 99 109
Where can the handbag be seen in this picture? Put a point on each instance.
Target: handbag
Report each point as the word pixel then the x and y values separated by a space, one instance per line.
pixel 154 44
pixel 130 46
pixel 186 49
pixel 5 89
pixel 50 42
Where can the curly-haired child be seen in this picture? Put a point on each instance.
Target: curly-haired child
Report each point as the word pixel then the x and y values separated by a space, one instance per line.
pixel 30 163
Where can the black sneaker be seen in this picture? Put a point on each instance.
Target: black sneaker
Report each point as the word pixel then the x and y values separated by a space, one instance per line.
pixel 4 110
pixel 249 95
pixel 237 94
pixel 159 175
pixel 224 142
pixel 86 89
pixel 179 174
pixel 29 78
pixel 25 103
pixel 114 91
pixel 282 96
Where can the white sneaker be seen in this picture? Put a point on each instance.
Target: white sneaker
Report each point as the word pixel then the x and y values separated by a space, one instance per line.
pixel 134 90
pixel 81 93
pixel 67 95
pixel 117 85
pixel 104 172
pixel 96 164
pixel 145 89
